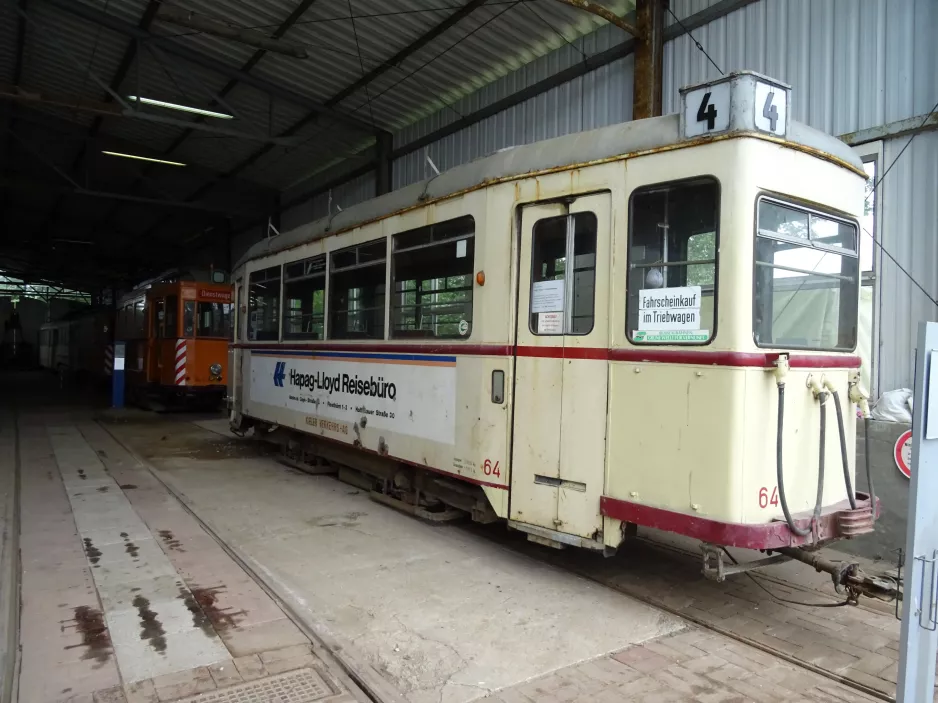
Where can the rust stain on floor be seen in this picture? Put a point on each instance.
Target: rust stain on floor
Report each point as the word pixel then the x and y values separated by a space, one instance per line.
pixel 199 618
pixel 92 552
pixel 132 549
pixel 222 618
pixel 170 541
pixel 151 629
pixel 94 635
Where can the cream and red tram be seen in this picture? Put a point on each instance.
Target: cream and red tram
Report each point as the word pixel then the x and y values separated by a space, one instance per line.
pixel 585 333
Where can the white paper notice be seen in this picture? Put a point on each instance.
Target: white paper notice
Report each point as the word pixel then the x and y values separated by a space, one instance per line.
pixel 669 308
pixel 547 296
pixel 550 323
pixel 461 249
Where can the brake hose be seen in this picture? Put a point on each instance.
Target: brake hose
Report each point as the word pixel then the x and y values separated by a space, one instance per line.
pixel 843 451
pixel 780 473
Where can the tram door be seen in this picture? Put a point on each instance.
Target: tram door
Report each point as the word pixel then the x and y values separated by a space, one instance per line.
pixel 559 433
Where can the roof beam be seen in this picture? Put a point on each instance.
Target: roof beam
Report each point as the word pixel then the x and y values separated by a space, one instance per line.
pixel 113 23
pixel 209 25
pixel 284 27
pixel 603 12
pixel 591 63
pixel 407 51
pixel 354 87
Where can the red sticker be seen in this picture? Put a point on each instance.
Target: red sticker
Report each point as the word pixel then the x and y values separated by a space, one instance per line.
pixel 903 453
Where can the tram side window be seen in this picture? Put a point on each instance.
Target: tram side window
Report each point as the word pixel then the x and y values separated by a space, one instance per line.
pixel 432 276
pixel 356 291
pixel 264 305
pixel 806 279
pixel 304 298
pixel 672 271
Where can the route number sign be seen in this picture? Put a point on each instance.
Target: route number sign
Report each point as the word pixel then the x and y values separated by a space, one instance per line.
pixel 903 453
pixel 707 110
pixel 771 109
pixel 743 101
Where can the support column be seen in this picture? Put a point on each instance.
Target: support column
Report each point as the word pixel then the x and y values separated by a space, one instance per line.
pixel 649 58
pixel 383 169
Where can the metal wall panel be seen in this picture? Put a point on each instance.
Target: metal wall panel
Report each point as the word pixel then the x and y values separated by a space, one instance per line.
pixel 343 196
pixel 852 65
pixel 600 98
pixel 909 201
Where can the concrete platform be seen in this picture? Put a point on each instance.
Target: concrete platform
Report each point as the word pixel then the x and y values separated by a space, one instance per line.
pixel 125 598
pixel 444 613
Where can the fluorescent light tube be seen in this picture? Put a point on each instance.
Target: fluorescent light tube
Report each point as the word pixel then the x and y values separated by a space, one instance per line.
pixel 183 108
pixel 143 158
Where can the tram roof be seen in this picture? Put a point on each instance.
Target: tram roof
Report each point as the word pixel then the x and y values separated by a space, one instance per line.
pixel 620 140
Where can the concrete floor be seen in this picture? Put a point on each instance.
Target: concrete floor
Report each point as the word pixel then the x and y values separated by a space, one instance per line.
pixel 124 597
pixel 445 614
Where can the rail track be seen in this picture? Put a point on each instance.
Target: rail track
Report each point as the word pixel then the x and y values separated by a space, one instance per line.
pixel 373 685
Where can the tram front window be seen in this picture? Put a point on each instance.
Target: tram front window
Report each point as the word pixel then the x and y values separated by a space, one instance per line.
pixel 214 320
pixel 806 279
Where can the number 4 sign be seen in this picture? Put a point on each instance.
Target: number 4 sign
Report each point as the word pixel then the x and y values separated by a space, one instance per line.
pixel 771 109
pixel 743 101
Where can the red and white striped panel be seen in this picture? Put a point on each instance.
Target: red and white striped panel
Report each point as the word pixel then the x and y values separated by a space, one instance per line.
pixel 180 362
pixel 108 360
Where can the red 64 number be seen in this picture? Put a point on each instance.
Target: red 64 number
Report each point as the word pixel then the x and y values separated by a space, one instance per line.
pixel 490 469
pixel 766 499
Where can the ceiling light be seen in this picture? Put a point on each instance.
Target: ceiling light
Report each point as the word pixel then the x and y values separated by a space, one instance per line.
pixel 183 108
pixel 143 158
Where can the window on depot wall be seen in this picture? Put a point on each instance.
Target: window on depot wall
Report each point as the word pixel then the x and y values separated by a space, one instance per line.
pixel 432 281
pixel 304 298
pixel 672 270
pixel 264 305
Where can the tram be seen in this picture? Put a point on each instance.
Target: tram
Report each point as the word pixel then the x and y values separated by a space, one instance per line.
pixel 177 334
pixel 651 324
pixel 81 344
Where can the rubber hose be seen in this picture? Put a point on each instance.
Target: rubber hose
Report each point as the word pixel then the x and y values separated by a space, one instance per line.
pixel 779 471
pixel 869 472
pixel 822 400
pixel 779 465
pixel 843 451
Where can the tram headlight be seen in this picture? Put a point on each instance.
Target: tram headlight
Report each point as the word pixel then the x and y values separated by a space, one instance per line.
pixel 215 371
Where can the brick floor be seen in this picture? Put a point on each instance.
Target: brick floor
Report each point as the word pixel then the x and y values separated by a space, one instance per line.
pixel 694 666
pixel 860 643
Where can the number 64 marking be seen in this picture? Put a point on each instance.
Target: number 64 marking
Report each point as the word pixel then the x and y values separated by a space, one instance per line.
pixel 765 500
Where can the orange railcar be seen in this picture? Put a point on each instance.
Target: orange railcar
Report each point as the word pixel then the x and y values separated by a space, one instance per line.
pixel 177 337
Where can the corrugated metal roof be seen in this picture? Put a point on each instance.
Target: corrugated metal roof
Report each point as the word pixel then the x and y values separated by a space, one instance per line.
pixel 495 39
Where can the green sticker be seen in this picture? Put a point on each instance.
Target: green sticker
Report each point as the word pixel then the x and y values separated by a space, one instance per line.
pixel 665 336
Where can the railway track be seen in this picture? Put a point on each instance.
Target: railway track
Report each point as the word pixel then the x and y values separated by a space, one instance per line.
pixel 358 676
pixel 585 565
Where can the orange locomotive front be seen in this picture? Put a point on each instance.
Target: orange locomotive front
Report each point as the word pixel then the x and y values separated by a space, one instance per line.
pixel 177 337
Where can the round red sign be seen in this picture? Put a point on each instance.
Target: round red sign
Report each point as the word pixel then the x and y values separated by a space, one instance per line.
pixel 903 453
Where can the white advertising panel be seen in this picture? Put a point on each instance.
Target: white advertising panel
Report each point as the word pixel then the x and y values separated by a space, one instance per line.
pixel 410 394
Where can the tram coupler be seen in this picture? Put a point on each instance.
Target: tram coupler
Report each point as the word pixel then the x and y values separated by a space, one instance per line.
pixel 715 569
pixel 847 576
